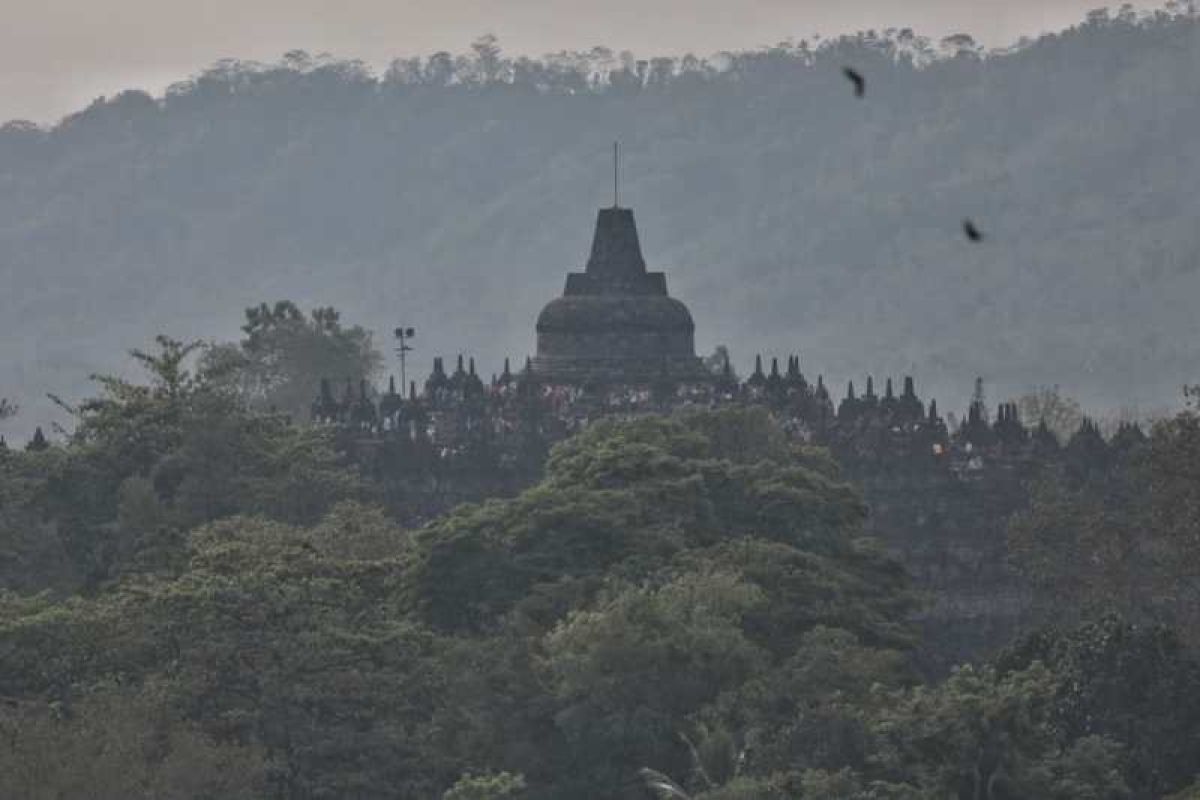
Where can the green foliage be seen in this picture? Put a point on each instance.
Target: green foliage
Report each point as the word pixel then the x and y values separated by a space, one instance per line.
pixel 1135 685
pixel 811 711
pixel 656 649
pixel 1091 769
pixel 118 743
pixel 285 355
pixel 974 736
pixel 1120 539
pixel 1171 479
pixel 689 595
pixel 147 462
pixel 984 735
pixel 264 638
pixel 629 670
pixel 1190 793
pixel 662 566
pixel 626 499
pixel 1062 414
pixel 34 554
pixel 1078 549
pixel 595 623
pixel 486 787
pixel 747 789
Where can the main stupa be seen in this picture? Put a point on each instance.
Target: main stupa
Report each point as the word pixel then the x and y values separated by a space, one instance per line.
pixel 615 322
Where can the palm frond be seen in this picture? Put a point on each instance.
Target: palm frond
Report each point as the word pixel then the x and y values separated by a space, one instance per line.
pixel 661 785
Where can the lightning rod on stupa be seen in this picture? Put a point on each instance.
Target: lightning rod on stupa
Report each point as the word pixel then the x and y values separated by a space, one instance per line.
pixel 616 174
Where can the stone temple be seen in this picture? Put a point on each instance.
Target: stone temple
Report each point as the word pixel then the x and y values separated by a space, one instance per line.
pixel 615 321
pixel 617 346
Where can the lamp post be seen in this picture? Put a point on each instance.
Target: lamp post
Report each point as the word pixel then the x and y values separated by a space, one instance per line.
pixel 403 336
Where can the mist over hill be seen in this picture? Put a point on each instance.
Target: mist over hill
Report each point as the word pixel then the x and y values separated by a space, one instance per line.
pixel 453 193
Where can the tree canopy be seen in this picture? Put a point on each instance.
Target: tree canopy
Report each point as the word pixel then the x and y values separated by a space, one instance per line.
pixel 689 597
pixel 147 462
pixel 285 356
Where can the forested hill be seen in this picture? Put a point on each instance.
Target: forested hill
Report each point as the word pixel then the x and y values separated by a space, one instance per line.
pixel 453 193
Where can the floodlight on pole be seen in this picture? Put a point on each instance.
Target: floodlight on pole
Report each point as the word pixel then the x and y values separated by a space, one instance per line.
pixel 403 336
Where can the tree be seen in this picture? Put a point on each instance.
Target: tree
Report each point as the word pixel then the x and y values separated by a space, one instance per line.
pixel 274 636
pixel 1122 538
pixel 34 555
pixel 1170 482
pixel 961 45
pixel 146 462
pixel 687 594
pixel 285 355
pixel 1135 685
pixel 1082 553
pixel 985 736
pixel 810 711
pixel 440 69
pixel 124 743
pixel 489 65
pixel 1062 415
pixel 718 360
pixel 629 670
pixel 634 493
pixel 660 565
pixel 486 787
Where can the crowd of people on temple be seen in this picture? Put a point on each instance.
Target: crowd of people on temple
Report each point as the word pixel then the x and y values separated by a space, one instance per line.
pixel 460 414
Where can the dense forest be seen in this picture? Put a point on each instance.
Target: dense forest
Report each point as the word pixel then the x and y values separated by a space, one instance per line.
pixel 201 600
pixel 451 193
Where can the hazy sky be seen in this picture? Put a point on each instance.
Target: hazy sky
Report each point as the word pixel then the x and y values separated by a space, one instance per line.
pixel 55 55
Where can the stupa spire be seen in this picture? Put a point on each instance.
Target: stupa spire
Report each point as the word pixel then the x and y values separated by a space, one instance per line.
pixel 616 174
pixel 616 249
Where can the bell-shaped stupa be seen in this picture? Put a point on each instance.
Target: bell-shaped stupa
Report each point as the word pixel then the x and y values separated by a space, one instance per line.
pixel 615 322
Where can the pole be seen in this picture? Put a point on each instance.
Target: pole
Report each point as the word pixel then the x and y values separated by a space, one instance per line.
pixel 616 174
pixel 403 375
pixel 403 334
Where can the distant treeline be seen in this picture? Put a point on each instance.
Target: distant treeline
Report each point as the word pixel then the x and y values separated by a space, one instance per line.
pixel 599 69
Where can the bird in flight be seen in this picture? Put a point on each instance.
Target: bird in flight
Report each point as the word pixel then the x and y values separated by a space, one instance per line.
pixel 855 77
pixel 973 233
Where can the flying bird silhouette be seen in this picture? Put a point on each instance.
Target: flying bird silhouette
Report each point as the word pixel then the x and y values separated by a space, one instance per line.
pixel 855 77
pixel 973 233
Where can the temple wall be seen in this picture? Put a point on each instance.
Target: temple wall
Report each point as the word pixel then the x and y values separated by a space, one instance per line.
pixel 950 534
pixel 624 344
